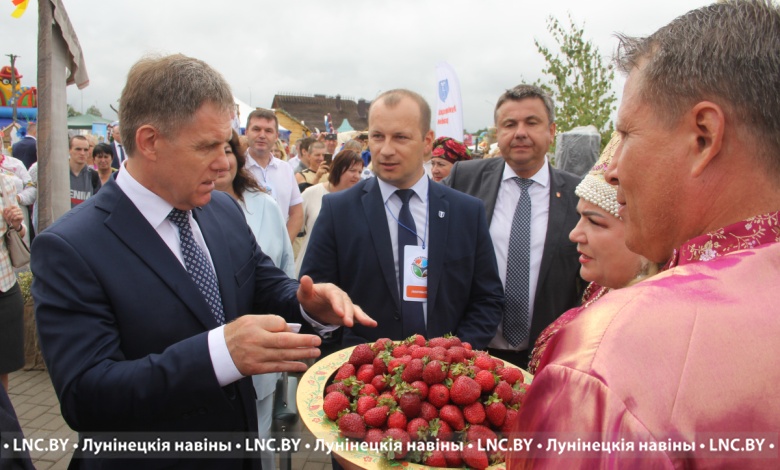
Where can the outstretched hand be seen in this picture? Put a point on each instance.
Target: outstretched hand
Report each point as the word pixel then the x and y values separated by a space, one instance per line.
pixel 330 305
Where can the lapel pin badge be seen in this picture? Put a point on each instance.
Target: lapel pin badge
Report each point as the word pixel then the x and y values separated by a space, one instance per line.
pixel 557 194
pixel 441 214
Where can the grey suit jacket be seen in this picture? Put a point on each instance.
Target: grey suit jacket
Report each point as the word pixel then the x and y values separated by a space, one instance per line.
pixel 560 286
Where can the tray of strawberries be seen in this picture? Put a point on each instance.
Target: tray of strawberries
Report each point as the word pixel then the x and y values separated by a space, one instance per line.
pixel 415 403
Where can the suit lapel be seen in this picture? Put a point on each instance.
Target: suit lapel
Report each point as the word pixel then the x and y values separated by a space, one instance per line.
pixel 374 209
pixel 130 226
pixel 439 221
pixel 559 203
pixel 491 182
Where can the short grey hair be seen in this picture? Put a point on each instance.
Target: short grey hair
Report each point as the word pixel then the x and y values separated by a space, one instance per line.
pixel 728 53
pixel 166 92
pixel 522 92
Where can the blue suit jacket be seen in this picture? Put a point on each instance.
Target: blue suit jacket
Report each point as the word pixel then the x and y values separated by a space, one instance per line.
pixel 124 329
pixel 350 246
pixel 26 150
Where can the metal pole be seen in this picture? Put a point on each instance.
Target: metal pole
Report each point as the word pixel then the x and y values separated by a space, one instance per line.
pixel 13 85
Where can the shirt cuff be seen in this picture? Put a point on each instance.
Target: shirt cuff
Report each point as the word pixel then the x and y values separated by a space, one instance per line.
pixel 324 331
pixel 224 368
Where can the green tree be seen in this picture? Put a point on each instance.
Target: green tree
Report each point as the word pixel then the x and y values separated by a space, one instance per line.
pixel 93 110
pixel 578 79
pixel 72 111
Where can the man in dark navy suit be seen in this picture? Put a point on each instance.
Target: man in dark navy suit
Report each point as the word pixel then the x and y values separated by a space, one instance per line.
pixel 145 293
pixel 26 149
pixel 414 253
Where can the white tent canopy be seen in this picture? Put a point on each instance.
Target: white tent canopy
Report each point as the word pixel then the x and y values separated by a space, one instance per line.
pixel 244 110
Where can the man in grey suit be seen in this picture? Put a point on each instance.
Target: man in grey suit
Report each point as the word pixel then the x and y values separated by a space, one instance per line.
pixel 531 208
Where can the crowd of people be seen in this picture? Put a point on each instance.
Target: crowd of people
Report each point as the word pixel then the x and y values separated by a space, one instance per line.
pixel 641 296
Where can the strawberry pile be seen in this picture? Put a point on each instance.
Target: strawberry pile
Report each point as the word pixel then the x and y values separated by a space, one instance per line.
pixel 438 390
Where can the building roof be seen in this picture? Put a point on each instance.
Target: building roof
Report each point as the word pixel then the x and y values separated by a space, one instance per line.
pixel 311 110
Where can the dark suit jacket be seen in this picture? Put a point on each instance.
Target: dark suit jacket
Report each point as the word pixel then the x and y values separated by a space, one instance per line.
pixel 123 328
pixel 115 163
pixel 350 246
pixel 560 286
pixel 26 150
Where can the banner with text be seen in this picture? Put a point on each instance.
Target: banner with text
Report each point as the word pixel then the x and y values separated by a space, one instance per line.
pixel 449 109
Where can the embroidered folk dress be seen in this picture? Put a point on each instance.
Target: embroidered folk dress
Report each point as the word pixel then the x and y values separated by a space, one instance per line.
pixel 681 358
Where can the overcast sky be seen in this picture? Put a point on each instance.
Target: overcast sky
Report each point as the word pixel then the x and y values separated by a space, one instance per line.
pixel 355 48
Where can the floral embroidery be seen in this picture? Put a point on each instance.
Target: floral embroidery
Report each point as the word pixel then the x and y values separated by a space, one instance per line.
pixel 749 233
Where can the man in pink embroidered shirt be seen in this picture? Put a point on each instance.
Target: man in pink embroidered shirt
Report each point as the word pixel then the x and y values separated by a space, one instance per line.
pixel 679 370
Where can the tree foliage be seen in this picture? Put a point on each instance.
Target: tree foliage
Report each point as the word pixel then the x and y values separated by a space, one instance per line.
pixel 93 110
pixel 578 80
pixel 72 112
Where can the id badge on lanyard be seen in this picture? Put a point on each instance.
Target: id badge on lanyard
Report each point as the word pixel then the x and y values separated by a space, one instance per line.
pixel 415 286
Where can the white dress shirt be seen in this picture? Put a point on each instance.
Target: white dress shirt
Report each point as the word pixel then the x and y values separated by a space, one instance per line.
pixel 278 177
pixel 501 227
pixel 418 205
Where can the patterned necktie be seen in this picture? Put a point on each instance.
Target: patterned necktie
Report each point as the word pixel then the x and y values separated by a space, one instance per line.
pixel 518 266
pixel 412 312
pixel 198 265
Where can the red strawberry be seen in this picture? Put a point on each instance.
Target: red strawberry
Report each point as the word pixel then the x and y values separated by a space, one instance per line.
pixel 438 395
pixel 347 370
pixel 365 403
pixel 418 340
pixel 464 390
pixel 509 422
pixel 440 430
pixel 481 434
pixel 379 382
pixel 374 436
pixel 400 350
pixel 438 342
pixel 467 346
pixel 417 429
pixel 379 365
pixel 504 392
pixel 410 404
pixel 435 459
pixel 394 364
pixel 495 411
pixel 456 354
pixel 428 411
pixel 487 380
pixel 453 457
pixel 376 417
pixel 413 371
pixel 421 387
pixel 386 398
pixel 351 425
pixel 365 373
pixel 453 416
pixel 518 395
pixel 338 387
pixel 335 403
pixel 381 344
pixel 421 352
pixel 368 389
pixel 474 457
pixel 474 413
pixel 362 354
pixel 484 362
pixel 510 375
pixel 396 419
pixel 438 353
pixel 453 341
pixel 434 372
pixel 398 435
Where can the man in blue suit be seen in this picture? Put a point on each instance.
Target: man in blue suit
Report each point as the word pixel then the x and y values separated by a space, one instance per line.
pixel 26 149
pixel 144 294
pixel 415 254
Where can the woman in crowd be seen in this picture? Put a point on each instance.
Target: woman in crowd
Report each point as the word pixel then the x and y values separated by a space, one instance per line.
pixel 600 236
pixel 345 173
pixel 265 219
pixel 26 193
pixel 102 157
pixel 93 141
pixel 11 302
pixel 446 151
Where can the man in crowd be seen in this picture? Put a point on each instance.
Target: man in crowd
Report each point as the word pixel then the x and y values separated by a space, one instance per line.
pixel 417 255
pixel 118 152
pixel 531 207
pixel 313 168
pixel 84 181
pixel 331 142
pixel 687 354
pixel 276 176
pixel 26 149
pixel 145 295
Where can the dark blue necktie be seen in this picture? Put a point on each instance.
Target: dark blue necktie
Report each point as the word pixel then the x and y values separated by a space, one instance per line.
pixel 198 265
pixel 412 312
pixel 518 267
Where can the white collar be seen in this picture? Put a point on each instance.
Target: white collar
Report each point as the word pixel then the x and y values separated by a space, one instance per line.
pixel 154 208
pixel 420 188
pixel 541 177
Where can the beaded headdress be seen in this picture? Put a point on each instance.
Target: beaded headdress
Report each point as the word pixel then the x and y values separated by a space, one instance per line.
pixel 594 188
